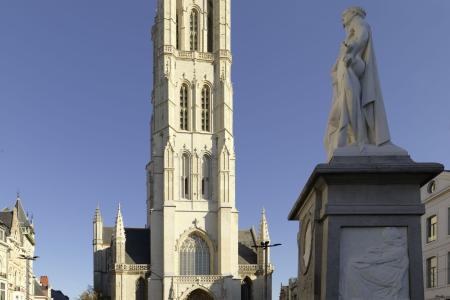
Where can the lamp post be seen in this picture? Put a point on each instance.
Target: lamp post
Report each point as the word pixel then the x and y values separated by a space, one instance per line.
pixel 265 245
pixel 27 259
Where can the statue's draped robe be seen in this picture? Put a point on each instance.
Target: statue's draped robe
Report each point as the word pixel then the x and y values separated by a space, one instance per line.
pixel 368 116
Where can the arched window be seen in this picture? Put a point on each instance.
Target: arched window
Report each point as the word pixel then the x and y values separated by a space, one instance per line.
pixel 210 26
pixel 206 176
pixel 186 170
pixel 140 289
pixel 206 108
pixel 184 107
pixel 246 289
pixel 194 30
pixel 194 256
pixel 199 294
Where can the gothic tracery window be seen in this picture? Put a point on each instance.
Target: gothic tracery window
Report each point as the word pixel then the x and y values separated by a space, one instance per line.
pixel 206 108
pixel 210 26
pixel 140 289
pixel 206 177
pixel 184 107
pixel 194 256
pixel 186 170
pixel 194 30
pixel 246 289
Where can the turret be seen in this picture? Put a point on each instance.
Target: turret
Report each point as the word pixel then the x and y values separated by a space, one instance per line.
pixel 98 230
pixel 263 236
pixel 119 239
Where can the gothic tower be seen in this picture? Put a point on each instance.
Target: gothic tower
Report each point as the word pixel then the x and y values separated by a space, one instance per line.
pixel 191 176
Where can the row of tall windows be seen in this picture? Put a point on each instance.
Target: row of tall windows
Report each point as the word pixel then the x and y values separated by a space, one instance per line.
pixel 432 271
pixel 194 28
pixel 431 228
pixel 194 256
pixel 186 176
pixel 205 108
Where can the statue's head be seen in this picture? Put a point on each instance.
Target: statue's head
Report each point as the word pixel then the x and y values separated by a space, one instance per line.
pixel 350 13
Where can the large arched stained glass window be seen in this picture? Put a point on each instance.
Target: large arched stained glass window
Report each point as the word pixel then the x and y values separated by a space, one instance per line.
pixel 184 107
pixel 206 108
pixel 194 30
pixel 194 256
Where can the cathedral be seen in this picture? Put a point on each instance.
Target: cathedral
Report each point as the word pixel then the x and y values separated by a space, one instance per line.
pixel 191 247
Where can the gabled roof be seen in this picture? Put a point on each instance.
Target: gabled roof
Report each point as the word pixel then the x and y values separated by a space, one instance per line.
pixel 107 235
pixel 137 247
pixel 21 215
pixel 247 251
pixel 38 289
pixel 6 218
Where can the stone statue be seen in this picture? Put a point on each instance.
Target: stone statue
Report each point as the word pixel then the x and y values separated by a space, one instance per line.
pixel 357 116
pixel 379 273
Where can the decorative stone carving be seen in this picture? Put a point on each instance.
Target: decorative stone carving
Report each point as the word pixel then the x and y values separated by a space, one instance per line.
pixel 357 116
pixel 307 245
pixel 374 264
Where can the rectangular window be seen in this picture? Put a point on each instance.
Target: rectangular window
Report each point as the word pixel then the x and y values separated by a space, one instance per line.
pixel 432 272
pixel 448 221
pixel 2 291
pixel 448 267
pixel 431 228
pixel 2 235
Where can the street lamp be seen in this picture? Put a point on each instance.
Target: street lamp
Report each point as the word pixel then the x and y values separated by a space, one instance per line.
pixel 28 258
pixel 265 245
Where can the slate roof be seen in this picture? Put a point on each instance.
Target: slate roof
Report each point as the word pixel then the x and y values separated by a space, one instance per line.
pixel 23 219
pixel 137 245
pixel 107 235
pixel 38 290
pixel 58 295
pixel 6 218
pixel 247 253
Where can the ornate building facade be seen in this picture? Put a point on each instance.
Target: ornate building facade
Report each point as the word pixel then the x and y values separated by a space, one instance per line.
pixel 191 247
pixel 17 242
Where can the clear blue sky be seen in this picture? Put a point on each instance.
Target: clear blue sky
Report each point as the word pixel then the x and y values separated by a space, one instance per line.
pixel 75 84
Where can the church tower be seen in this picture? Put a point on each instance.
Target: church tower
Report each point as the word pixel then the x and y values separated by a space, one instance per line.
pixel 191 247
pixel 191 214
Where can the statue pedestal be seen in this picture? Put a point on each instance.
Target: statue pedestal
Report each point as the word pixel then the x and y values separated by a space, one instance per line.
pixel 360 234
